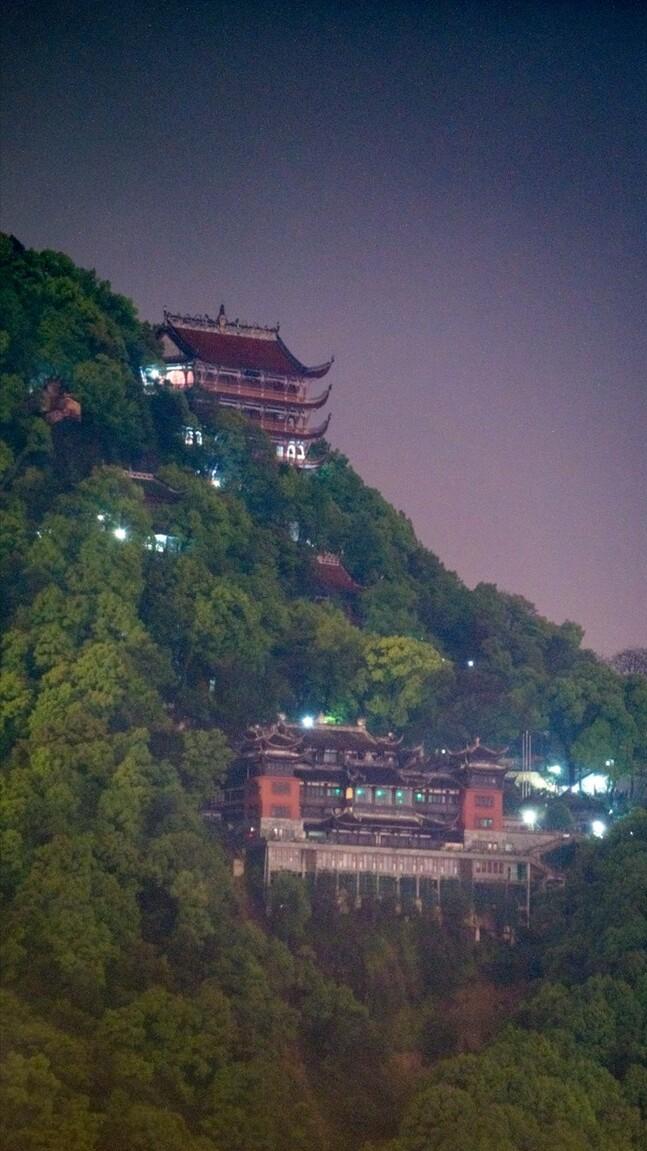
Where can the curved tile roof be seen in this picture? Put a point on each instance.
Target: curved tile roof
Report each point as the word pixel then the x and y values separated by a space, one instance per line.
pixel 238 347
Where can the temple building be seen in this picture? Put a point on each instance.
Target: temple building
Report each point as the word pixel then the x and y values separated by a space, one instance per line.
pixel 250 369
pixel 335 798
pixel 339 781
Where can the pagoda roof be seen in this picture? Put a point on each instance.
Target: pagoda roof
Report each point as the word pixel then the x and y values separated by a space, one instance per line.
pixel 273 427
pixel 344 737
pixel 331 572
pixel 312 465
pixel 271 739
pixel 241 347
pixel 476 753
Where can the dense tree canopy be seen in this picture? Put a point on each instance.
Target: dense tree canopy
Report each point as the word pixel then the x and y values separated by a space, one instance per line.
pixel 146 1002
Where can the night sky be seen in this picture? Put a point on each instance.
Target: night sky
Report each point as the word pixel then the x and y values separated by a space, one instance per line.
pixel 449 197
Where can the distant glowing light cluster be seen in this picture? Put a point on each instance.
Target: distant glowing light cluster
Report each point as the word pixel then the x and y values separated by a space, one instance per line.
pixel 593 784
pixel 120 533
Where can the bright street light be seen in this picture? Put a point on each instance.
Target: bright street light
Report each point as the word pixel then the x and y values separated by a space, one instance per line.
pixel 529 816
pixel 598 827
pixel 120 533
pixel 308 721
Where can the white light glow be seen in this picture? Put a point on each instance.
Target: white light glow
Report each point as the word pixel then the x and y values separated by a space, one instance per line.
pixel 529 817
pixel 120 533
pixel 555 769
pixel 101 517
pixel 470 663
pixel 598 827
pixel 308 721
pixel 594 784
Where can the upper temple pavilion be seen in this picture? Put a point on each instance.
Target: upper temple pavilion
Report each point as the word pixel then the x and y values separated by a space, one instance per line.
pixel 250 369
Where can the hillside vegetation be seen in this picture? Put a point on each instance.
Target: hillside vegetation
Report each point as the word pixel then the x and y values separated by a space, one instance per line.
pixel 149 1002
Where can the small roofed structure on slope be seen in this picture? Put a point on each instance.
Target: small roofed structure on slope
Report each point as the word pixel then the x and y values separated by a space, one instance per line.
pixel 56 404
pixel 332 576
pixel 250 369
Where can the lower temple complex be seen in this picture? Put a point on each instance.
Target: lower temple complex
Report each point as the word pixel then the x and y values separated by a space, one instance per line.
pixel 335 799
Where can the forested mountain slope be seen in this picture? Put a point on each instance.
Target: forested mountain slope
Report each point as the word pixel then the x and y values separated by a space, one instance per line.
pixel 571 1075
pixel 147 1003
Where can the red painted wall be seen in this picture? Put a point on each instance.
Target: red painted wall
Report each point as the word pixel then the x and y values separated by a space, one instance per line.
pixel 272 797
pixel 480 803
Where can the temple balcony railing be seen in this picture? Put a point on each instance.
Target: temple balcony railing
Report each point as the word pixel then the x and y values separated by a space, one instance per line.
pixel 250 383
pixel 391 802
pixel 410 841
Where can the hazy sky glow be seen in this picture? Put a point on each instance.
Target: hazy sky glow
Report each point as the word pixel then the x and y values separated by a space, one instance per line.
pixel 449 197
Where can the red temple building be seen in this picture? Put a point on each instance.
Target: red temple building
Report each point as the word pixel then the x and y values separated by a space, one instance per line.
pixel 335 799
pixel 250 369
pixel 341 781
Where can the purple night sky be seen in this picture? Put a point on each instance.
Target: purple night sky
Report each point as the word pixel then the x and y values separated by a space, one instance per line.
pixel 449 197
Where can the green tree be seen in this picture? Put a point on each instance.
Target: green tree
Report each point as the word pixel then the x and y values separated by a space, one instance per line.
pixel 401 678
